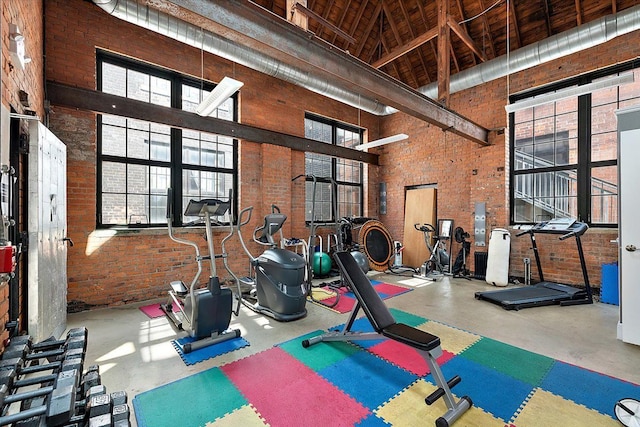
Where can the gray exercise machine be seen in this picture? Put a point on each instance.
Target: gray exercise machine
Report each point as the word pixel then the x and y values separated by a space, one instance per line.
pixel 204 313
pixel 278 287
pixel 385 326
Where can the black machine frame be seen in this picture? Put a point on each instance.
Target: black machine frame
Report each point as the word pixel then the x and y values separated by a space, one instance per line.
pixel 545 292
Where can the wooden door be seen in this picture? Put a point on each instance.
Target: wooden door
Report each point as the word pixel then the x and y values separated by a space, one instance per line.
pixel 419 208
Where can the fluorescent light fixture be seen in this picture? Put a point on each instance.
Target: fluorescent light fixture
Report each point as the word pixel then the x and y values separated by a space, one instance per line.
pixel 570 92
pixel 218 95
pixel 383 141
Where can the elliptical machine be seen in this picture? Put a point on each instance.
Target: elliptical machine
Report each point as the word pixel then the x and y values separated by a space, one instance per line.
pixel 204 313
pixel 278 286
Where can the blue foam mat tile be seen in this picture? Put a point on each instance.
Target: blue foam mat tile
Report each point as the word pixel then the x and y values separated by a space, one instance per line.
pixel 367 378
pixel 361 324
pixel 591 389
pixel 493 391
pixel 209 352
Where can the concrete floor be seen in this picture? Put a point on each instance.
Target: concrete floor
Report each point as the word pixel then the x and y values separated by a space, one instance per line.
pixel 135 353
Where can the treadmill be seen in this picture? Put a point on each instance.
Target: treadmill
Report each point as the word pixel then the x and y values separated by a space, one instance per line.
pixel 544 292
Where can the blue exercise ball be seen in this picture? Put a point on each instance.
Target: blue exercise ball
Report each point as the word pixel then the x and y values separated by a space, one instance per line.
pixel 321 264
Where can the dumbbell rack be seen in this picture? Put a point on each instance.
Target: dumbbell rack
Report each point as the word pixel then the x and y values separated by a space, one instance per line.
pixel 46 384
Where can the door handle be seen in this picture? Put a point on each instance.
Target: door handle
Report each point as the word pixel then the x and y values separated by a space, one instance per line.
pixel 66 239
pixel 630 248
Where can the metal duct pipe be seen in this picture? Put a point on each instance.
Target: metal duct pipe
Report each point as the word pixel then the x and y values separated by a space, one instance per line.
pixel 569 42
pixel 185 32
pixel 566 43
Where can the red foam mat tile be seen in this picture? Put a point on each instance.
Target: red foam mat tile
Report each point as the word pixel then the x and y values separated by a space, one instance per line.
pixel 287 393
pixel 406 357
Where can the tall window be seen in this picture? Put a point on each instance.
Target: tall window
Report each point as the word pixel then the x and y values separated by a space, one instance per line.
pixel 564 153
pixel 138 160
pixel 346 174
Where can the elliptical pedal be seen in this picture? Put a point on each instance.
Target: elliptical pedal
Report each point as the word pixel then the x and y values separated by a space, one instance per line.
pixel 179 288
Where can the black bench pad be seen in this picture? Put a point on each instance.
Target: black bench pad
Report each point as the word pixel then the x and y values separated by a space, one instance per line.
pixel 411 336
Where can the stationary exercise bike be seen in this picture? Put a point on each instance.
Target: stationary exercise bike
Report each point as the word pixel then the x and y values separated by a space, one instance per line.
pixel 435 267
pixel 278 286
pixel 204 313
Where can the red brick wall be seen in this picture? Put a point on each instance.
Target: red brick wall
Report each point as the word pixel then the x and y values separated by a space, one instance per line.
pixel 27 15
pixel 466 173
pixel 136 265
pixel 109 269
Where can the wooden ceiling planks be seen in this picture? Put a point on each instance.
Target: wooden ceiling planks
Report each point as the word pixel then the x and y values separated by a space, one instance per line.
pixel 397 35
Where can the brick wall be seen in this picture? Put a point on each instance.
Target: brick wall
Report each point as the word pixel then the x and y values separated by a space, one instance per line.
pixel 107 268
pixel 465 172
pixel 27 15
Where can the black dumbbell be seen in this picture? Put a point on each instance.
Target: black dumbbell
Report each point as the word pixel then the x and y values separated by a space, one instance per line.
pixel 59 408
pixel 12 369
pixel 50 348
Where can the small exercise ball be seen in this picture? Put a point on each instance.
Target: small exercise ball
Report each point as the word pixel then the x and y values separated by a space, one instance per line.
pixel 362 260
pixel 321 264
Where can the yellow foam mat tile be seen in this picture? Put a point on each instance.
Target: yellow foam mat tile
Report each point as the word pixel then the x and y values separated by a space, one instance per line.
pixel 408 409
pixel 453 340
pixel 320 294
pixel 246 416
pixel 547 409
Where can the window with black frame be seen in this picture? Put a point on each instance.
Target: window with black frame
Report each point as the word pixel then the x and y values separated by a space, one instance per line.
pixel 138 160
pixel 563 153
pixel 347 174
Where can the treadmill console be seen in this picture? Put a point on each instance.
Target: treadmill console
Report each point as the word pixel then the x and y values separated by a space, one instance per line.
pixel 558 224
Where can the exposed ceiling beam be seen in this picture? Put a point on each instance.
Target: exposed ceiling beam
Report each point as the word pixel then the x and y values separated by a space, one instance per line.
pixel 367 31
pixel 578 12
pixel 547 17
pixel 342 16
pixel 396 35
pixel 323 22
pixel 444 58
pixel 465 27
pixel 487 30
pixel 104 103
pixel 460 32
pixel 249 25
pixel 418 52
pixel 407 47
pixel 514 22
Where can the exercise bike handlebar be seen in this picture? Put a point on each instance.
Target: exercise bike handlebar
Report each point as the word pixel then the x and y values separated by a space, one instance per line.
pixel 425 228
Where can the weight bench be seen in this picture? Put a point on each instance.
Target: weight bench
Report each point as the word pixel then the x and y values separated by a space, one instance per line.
pixel 386 327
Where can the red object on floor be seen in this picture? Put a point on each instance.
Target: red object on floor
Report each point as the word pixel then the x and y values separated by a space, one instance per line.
pixel 285 392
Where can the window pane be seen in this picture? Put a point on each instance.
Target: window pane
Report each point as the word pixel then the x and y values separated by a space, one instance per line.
pixel 137 179
pixel 114 140
pixel 604 195
pixel 201 185
pixel 604 146
pixel 631 90
pixel 138 144
pixel 546 195
pixel 138 86
pixel 114 79
pixel 603 118
pixel 114 177
pixel 137 205
pixel 160 91
pixel 525 115
pixel 113 208
pixel 349 201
